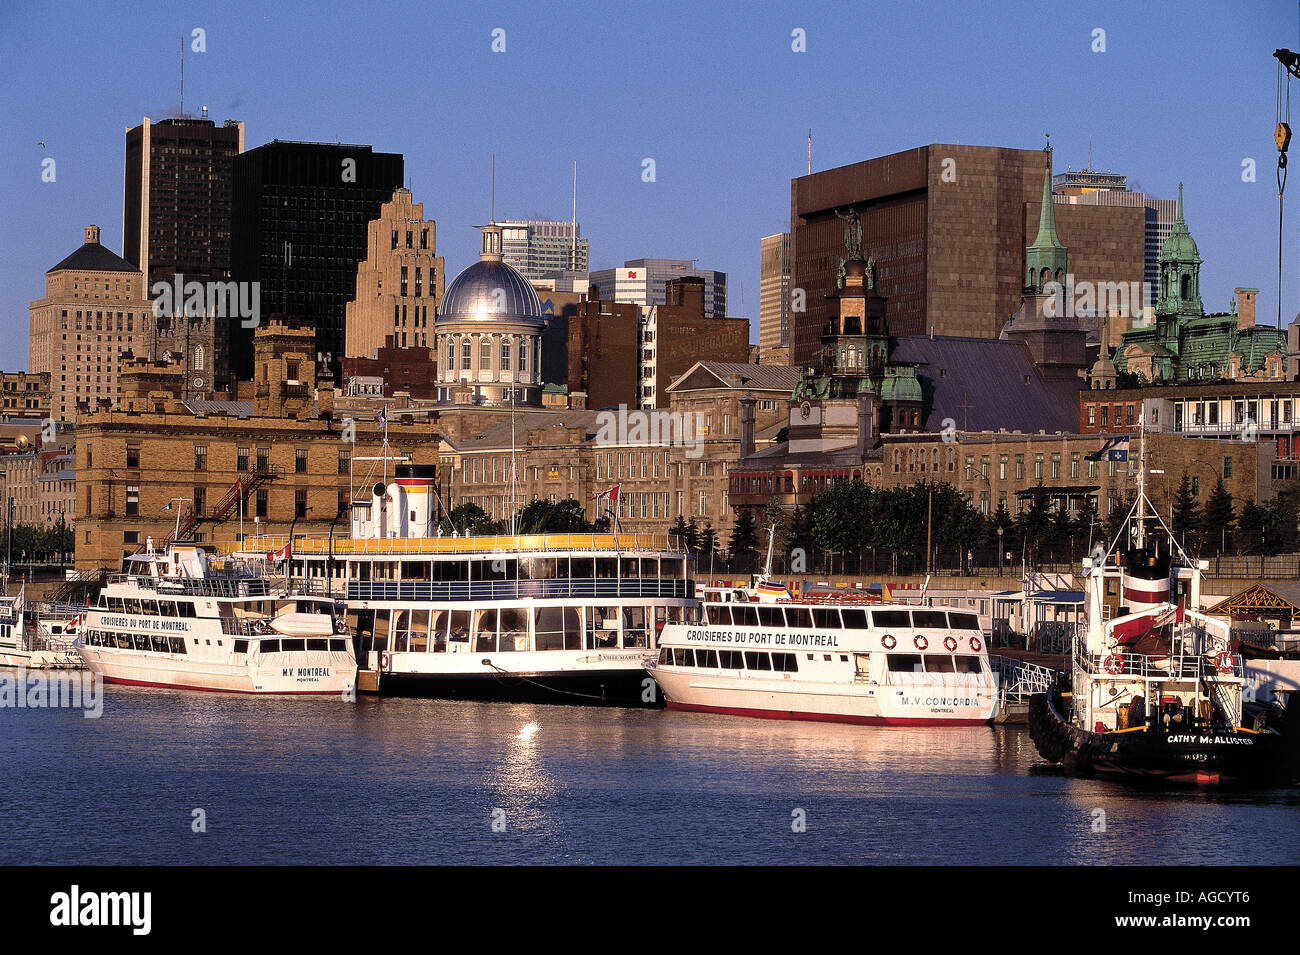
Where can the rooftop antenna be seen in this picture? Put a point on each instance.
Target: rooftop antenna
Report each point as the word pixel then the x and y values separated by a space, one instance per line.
pixel 810 150
pixel 182 74
pixel 573 265
pixel 492 208
pixel 1089 154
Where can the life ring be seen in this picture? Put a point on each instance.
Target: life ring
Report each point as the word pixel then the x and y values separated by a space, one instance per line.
pixel 975 644
pixel 920 642
pixel 385 662
pixel 950 643
pixel 259 626
pixel 1113 664
pixel 888 642
pixel 1223 662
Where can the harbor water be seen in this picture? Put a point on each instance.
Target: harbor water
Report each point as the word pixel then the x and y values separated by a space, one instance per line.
pixel 174 777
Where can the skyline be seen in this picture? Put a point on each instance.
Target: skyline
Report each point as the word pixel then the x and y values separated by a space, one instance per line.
pixel 705 203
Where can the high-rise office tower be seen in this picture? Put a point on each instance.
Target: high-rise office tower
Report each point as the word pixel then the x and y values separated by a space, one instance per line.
pixel 537 247
pixel 644 282
pixel 301 215
pixel 774 299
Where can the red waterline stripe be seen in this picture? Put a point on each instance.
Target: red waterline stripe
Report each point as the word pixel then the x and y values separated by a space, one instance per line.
pixel 217 689
pixel 822 717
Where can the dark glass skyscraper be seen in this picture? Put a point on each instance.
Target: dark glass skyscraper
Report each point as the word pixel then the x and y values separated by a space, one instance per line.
pixel 299 229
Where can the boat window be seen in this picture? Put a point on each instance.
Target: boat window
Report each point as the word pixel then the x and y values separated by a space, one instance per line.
pixel 606 567
pixel 550 630
pixel 770 617
pixel 634 627
pixel 966 663
pixel 905 663
pixel 602 627
pixel 187 609
pixel 339 646
pixel 744 615
pixel 672 568
pixel 485 631
pixel 269 646
pixel 459 628
pixel 855 618
pixel 684 656
pixel 317 643
pixel 826 618
pixel 241 646
pixel 731 660
pixel 665 655
pixel 785 663
pixel 290 646
pixel 939 663
pixel 929 618
pixel 798 617
pixel 141 641
pixel 964 621
pixel 176 644
pixel 891 618
pixel 757 661
pixel 719 615
pixel 707 658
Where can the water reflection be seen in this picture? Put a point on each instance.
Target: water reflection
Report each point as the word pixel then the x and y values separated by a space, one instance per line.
pixel 321 781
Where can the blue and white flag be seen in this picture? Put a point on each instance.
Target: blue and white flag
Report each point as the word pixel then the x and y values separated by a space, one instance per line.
pixel 1118 451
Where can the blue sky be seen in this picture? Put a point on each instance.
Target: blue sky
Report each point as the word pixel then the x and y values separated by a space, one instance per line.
pixel 712 92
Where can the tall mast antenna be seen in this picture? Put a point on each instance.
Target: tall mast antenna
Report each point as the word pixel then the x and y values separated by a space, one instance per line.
pixel 492 207
pixel 182 74
pixel 810 150
pixel 573 255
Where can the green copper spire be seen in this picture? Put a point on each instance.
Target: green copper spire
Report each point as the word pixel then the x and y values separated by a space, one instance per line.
pixel 1180 271
pixel 1046 260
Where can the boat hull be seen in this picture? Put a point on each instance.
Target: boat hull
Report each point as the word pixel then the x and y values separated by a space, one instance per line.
pixel 41 660
pixel 862 704
pixel 1236 756
pixel 136 668
pixel 621 687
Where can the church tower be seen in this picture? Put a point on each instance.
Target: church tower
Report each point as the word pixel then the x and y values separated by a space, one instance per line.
pixel 1047 259
pixel 1180 273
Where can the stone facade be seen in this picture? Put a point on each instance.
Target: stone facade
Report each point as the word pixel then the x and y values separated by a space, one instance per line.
pixel 95 311
pixel 680 333
pixel 399 283
pixel 25 394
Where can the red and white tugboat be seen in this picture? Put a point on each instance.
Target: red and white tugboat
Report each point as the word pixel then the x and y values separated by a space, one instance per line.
pixel 1155 689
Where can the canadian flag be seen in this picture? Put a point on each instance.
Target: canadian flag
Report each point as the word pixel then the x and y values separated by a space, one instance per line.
pixel 278 555
pixel 611 494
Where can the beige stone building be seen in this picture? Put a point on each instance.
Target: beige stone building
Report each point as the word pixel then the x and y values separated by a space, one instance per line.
pixel 95 310
pixel 25 394
pixel 399 283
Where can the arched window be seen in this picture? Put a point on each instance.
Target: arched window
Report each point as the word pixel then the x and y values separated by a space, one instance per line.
pixel 1187 288
pixel 197 364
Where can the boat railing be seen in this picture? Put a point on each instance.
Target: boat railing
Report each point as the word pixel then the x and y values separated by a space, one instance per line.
pixel 225 586
pixel 1211 667
pixel 488 544
pixel 1018 679
pixel 436 590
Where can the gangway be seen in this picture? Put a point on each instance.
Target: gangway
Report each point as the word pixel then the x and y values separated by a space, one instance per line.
pixel 1018 680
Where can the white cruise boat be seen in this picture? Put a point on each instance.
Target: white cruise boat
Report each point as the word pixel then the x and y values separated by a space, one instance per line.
pixel 558 618
pixel 177 619
pixel 47 646
pixel 837 658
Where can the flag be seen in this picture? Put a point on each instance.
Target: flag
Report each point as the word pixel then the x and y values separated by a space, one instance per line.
pixel 610 493
pixel 383 417
pixel 166 507
pixel 18 601
pixel 1118 451
pixel 277 555
pixel 885 595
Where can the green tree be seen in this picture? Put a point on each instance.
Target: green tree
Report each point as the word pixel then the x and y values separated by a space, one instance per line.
pixel 1218 520
pixel 468 519
pixel 553 517
pixel 1187 516
pixel 744 541
pixel 1251 529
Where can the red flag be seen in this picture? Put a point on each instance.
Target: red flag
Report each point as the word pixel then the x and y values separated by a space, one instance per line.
pixel 278 555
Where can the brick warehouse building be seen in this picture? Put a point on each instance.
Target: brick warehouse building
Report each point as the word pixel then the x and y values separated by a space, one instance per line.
pixel 947 227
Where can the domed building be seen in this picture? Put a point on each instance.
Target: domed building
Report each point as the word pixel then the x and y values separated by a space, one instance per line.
pixel 488 333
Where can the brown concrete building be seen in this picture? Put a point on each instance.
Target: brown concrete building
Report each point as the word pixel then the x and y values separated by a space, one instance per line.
pixel 25 394
pixel 678 333
pixel 947 227
pixel 602 352
pixel 399 283
pixel 94 311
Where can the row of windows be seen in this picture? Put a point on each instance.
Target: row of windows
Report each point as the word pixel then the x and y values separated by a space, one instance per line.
pixel 730 659
pixel 147 607
pixel 836 618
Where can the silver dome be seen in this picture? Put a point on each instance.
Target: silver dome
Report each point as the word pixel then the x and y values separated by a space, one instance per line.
pixel 490 291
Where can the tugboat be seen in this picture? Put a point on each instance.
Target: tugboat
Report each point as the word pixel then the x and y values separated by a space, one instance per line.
pixel 1155 689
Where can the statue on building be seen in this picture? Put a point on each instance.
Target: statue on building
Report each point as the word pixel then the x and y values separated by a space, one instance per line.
pixel 852 234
